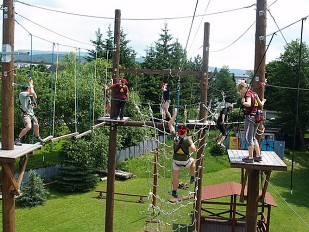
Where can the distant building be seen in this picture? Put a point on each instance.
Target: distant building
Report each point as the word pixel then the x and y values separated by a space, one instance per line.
pixel 240 75
pixel 26 64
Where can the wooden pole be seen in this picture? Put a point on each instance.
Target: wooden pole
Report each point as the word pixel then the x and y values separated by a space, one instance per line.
pixel 109 216
pixel 110 189
pixel 252 200
pixel 155 176
pixel 116 59
pixel 202 134
pixel 259 80
pixel 8 198
pixel 8 201
pixel 7 139
pixel 260 49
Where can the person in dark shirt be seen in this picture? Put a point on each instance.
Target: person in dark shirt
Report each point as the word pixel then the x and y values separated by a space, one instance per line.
pixel 222 119
pixel 165 100
pixel 122 96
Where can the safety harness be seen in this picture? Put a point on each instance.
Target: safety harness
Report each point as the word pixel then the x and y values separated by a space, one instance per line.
pixel 180 154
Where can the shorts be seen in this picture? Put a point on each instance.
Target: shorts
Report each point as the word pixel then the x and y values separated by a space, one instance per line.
pixel 107 100
pixel 179 164
pixel 27 120
pixel 166 104
pixel 221 128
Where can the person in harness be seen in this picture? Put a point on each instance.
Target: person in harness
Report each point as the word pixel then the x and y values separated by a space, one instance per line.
pixel 222 119
pixel 122 96
pixel 165 100
pixel 27 99
pixel 183 145
pixel 250 101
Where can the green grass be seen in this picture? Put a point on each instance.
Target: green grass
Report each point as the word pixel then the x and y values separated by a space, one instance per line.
pixel 85 212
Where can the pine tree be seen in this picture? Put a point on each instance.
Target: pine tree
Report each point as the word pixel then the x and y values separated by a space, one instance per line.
pixel 33 192
pixel 76 173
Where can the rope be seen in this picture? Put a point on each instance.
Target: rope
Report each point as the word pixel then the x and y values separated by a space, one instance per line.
pixel 55 92
pixel 51 115
pixel 305 223
pixel 75 95
pixel 94 92
pixel 178 103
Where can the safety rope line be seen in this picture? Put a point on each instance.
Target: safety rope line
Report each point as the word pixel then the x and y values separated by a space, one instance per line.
pixel 94 90
pixel 75 96
pixel 305 223
pixel 51 115
pixel 55 91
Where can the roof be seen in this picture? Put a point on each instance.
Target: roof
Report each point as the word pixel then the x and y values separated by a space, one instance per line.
pixel 229 189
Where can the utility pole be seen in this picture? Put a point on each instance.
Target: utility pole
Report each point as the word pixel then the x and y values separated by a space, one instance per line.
pixel 259 88
pixel 202 134
pixel 109 216
pixel 7 76
pixel 7 143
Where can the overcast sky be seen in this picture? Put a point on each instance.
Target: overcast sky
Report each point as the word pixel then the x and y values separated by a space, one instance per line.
pixel 231 37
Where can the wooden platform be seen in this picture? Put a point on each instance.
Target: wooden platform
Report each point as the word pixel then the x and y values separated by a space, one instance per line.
pixel 270 161
pixel 7 156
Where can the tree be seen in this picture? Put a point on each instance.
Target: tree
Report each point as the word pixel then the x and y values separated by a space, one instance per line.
pixel 223 85
pixel 33 192
pixel 167 54
pixel 284 78
pixel 99 51
pixel 77 170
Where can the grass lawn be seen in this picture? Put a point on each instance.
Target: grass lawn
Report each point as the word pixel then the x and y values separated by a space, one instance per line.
pixel 85 212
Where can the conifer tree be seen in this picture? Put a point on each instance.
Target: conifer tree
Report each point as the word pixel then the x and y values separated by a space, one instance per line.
pixel 33 192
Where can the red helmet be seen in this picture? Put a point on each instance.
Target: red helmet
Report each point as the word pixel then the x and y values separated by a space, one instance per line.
pixel 182 130
pixel 124 81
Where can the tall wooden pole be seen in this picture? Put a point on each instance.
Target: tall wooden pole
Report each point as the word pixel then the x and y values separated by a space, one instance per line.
pixel 109 216
pixel 258 86
pixel 260 48
pixel 202 134
pixel 7 143
pixel 116 59
pixel 7 139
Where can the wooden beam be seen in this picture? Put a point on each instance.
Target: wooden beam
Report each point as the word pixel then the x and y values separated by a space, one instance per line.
pixel 22 171
pixel 83 134
pixel 265 185
pixel 244 177
pixel 10 174
pixel 98 125
pixel 64 136
pixel 48 138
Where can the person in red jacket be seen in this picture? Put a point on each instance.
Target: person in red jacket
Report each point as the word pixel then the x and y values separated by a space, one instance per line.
pixel 122 96
pixel 250 101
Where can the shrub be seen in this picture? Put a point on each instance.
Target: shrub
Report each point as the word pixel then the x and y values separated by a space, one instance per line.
pixel 33 192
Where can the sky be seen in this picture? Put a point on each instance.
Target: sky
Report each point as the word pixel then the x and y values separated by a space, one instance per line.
pixel 232 26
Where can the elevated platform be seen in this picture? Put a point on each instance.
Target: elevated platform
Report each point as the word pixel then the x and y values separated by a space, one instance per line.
pixel 270 161
pixel 8 156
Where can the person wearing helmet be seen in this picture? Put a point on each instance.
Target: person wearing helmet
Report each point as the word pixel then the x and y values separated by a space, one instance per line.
pixel 122 96
pixel 183 145
pixel 27 101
